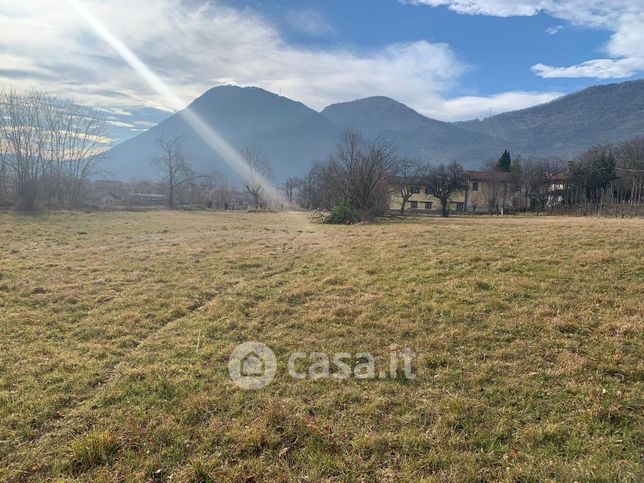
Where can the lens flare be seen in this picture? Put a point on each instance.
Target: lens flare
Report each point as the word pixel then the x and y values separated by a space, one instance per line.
pixel 214 140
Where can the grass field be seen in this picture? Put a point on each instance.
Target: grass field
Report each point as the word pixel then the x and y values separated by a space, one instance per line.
pixel 116 329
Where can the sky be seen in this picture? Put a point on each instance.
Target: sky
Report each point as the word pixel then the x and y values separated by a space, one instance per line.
pixel 447 59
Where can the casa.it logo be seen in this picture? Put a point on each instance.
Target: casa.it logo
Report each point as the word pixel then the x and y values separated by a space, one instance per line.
pixel 252 365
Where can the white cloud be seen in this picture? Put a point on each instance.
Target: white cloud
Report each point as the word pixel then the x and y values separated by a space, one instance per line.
pixel 469 107
pixel 309 22
pixel 625 18
pixel 554 30
pixel 598 68
pixel 194 46
pixel 120 124
pixel 145 124
pixel 498 8
pixel 115 111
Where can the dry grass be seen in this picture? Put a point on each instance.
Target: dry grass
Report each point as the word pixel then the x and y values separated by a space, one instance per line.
pixel 116 330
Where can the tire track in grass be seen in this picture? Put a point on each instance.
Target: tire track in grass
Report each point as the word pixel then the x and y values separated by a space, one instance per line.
pixel 38 449
pixel 16 473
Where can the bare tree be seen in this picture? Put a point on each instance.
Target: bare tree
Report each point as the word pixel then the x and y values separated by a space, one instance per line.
pixel 174 166
pixel 289 187
pixel 361 171
pixel 495 189
pixel 521 181
pixel 76 144
pixel 533 180
pixel 316 190
pixel 259 172
pixel 50 146
pixel 24 132
pixel 630 159
pixel 406 175
pixel 491 195
pixel 443 181
pixel 476 196
pixel 4 177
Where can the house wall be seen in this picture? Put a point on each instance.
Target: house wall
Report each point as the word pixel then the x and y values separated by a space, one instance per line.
pixel 488 196
pixel 457 202
pixel 481 196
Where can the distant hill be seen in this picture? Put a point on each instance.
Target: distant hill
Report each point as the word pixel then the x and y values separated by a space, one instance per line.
pixel 293 135
pixel 413 134
pixel 567 126
pixel 288 132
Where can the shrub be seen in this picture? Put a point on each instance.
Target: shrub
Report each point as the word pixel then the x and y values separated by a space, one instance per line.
pixel 343 214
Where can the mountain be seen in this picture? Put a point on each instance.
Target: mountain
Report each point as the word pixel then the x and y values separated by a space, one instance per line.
pixel 571 124
pixel 288 132
pixel 411 133
pixel 293 135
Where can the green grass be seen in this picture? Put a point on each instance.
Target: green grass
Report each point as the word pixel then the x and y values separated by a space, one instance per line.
pixel 116 330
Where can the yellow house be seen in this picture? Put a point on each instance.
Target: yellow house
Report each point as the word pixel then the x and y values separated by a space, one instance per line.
pixel 422 201
pixel 486 192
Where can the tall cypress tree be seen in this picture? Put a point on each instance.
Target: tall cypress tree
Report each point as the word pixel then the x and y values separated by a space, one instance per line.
pixel 504 162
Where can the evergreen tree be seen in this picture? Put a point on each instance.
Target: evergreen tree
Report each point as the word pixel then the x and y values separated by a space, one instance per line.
pixel 504 162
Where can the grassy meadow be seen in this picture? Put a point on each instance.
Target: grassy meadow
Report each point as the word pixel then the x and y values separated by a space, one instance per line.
pixel 115 332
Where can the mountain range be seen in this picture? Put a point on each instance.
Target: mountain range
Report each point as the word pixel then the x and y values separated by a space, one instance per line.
pixel 293 135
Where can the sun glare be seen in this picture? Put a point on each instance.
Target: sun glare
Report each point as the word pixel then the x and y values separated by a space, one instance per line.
pixel 214 140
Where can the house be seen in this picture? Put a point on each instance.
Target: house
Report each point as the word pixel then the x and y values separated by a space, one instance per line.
pixel 108 192
pixel 558 185
pixel 488 192
pixel 422 201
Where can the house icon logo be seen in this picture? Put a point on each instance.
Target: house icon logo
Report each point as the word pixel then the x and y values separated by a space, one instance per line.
pixel 252 365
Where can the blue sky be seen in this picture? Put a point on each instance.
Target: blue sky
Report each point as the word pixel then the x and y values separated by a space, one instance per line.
pixel 498 51
pixel 448 59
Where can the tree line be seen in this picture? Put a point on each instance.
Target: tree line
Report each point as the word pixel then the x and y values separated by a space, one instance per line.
pixel 360 176
pixel 610 174
pixel 179 178
pixel 49 147
pixel 605 175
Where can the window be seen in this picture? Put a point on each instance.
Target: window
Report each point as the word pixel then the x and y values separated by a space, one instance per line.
pixel 414 205
pixel 415 189
pixel 428 205
pixel 427 190
pixel 475 186
pixel 460 206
